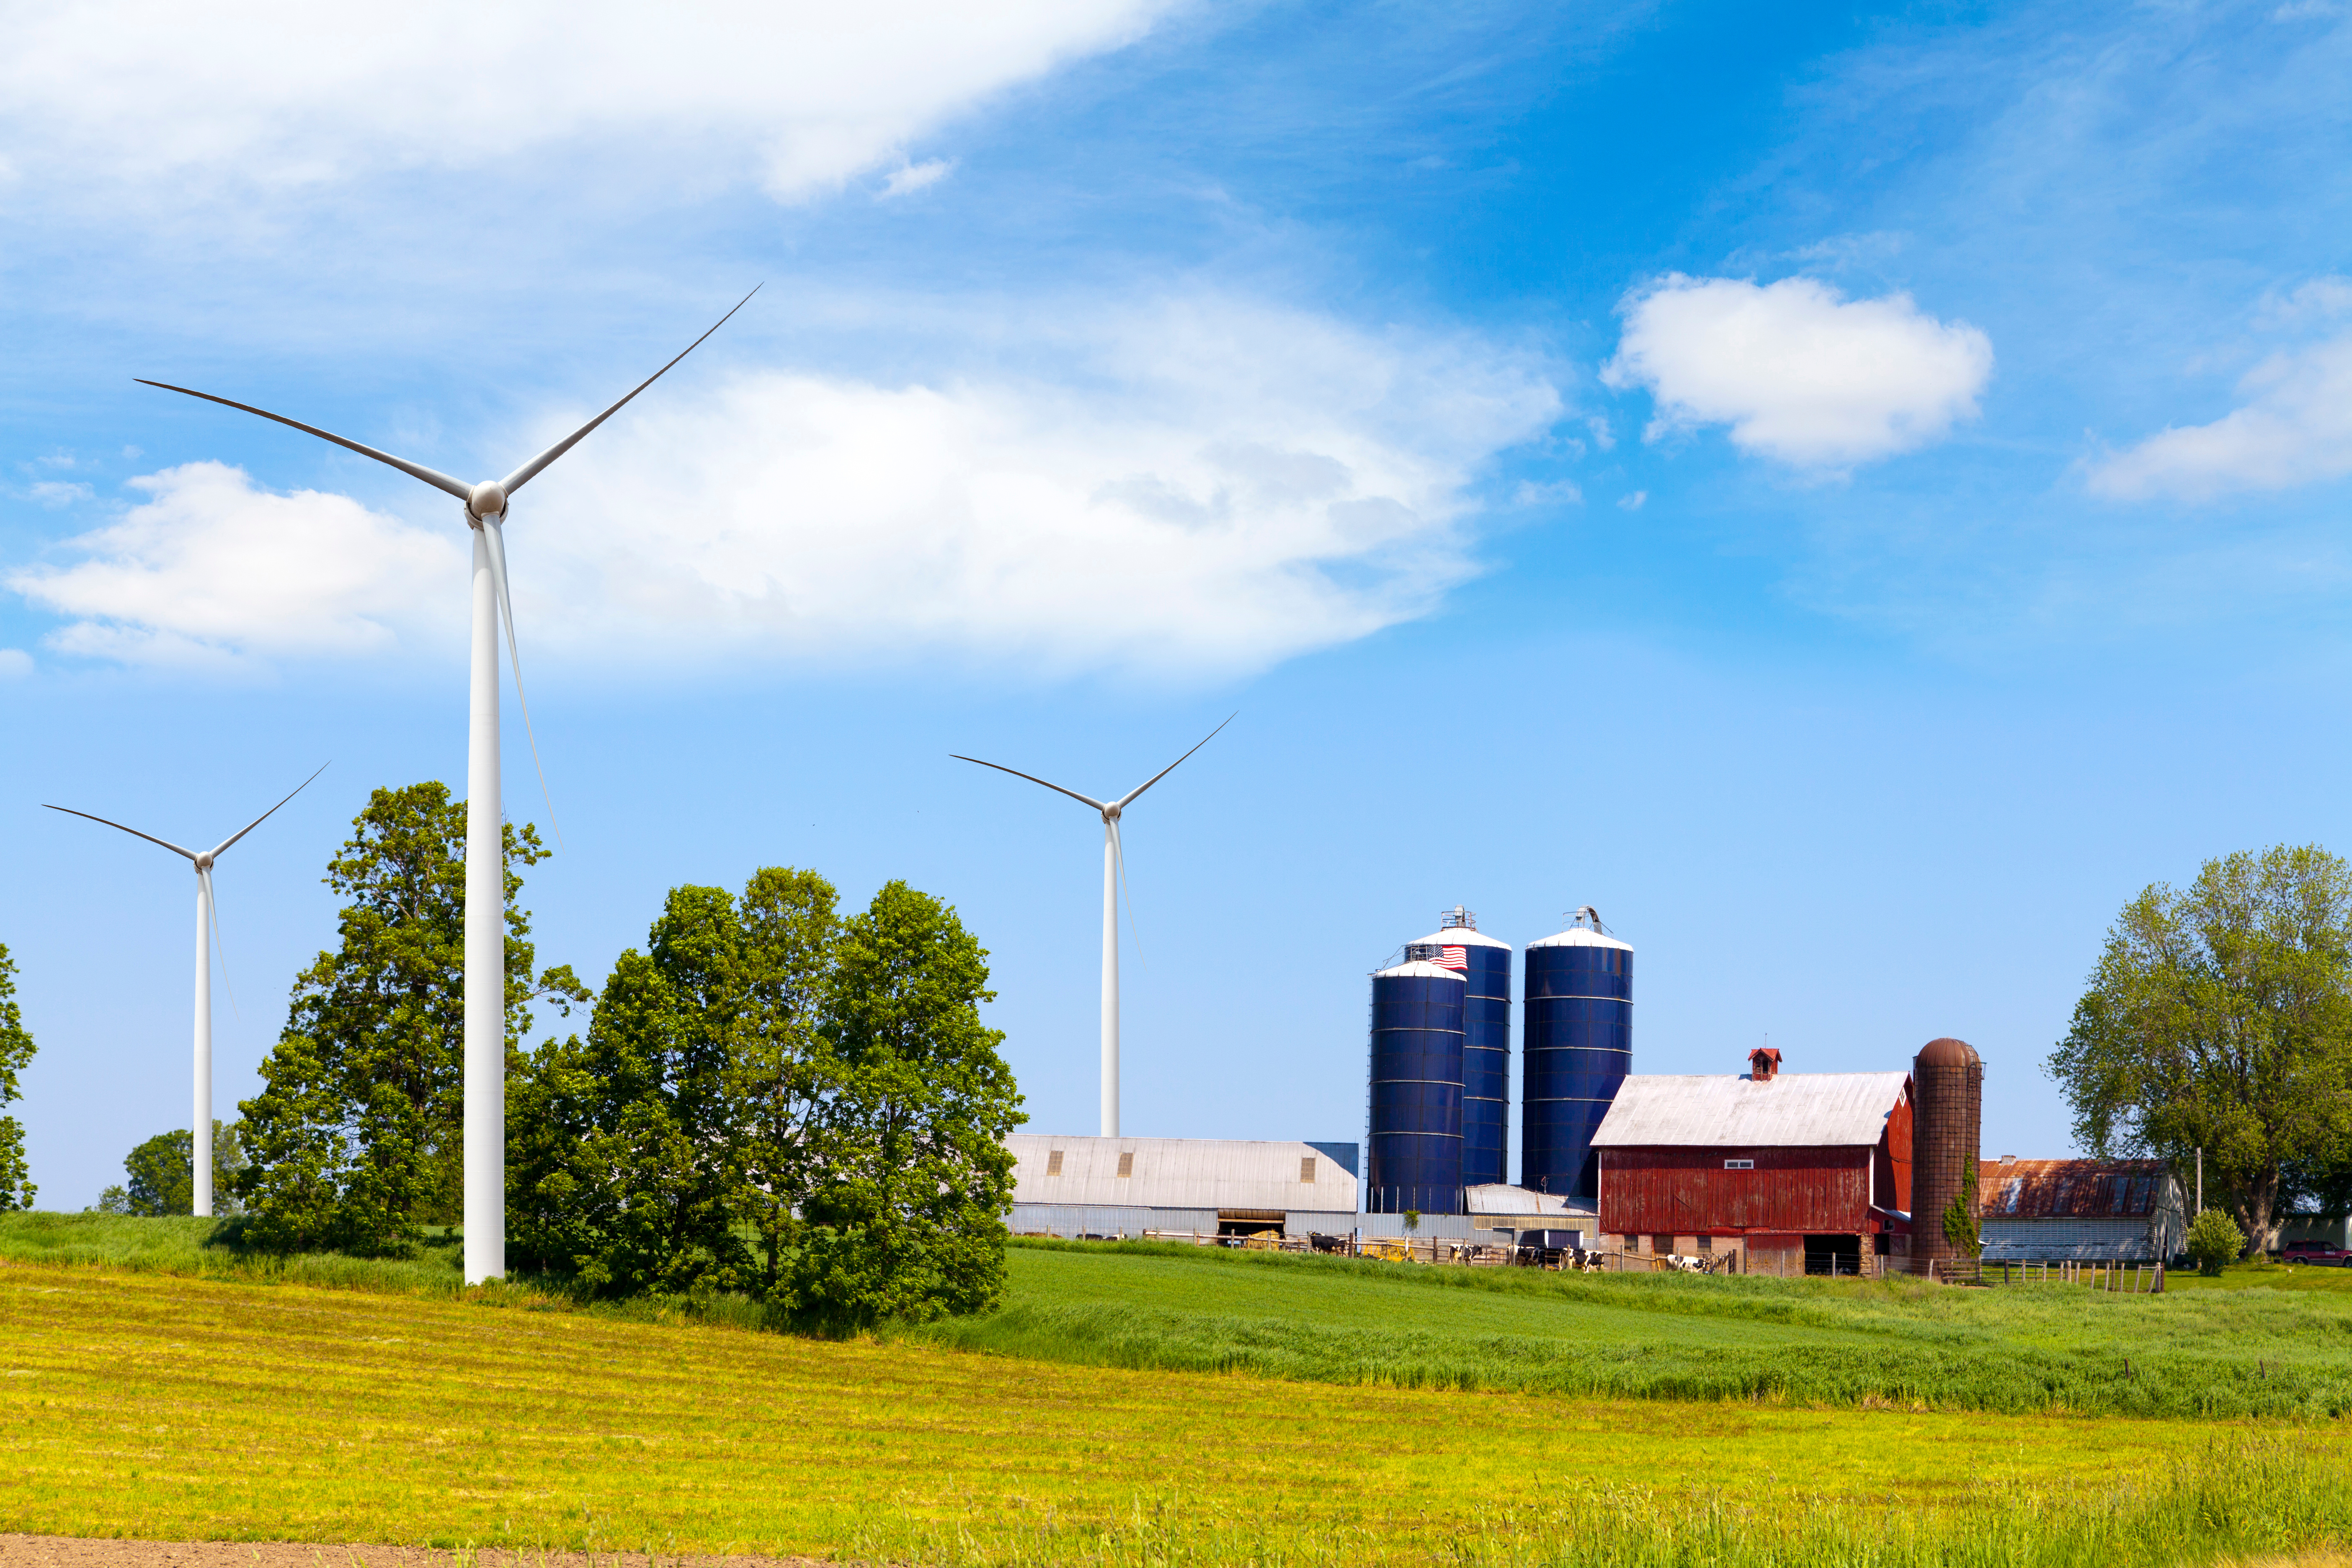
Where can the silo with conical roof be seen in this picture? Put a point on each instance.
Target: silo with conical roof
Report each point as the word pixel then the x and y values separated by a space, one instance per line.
pixel 1414 1124
pixel 1576 1046
pixel 1485 965
pixel 1947 1127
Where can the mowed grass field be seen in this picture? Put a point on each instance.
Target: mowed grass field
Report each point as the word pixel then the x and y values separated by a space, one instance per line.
pixel 2190 1352
pixel 154 1405
pixel 1416 1414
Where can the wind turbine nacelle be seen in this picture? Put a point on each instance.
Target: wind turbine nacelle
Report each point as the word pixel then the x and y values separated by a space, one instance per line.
pixel 488 500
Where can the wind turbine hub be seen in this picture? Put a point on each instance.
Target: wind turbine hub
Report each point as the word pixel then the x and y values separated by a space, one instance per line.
pixel 488 500
pixel 1111 813
pixel 203 862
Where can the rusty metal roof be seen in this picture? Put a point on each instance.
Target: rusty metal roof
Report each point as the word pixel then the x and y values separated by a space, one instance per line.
pixel 1816 1109
pixel 2070 1189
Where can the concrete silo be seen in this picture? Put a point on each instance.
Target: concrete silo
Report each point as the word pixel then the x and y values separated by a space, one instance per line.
pixel 1576 1046
pixel 1415 1113
pixel 1946 1129
pixel 1486 967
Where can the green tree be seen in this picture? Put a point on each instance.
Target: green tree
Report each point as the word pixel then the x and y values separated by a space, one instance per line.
pixel 162 1175
pixel 1960 1216
pixel 905 1218
pixel 622 1170
pixel 17 1189
pixel 2213 1239
pixel 356 1140
pixel 780 1069
pixel 639 1155
pixel 2219 1016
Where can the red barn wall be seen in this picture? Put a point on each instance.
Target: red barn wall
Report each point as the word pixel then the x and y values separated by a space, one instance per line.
pixel 1685 1191
pixel 1895 1158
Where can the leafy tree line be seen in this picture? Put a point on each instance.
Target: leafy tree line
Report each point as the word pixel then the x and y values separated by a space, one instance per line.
pixel 17 1187
pixel 2220 1017
pixel 771 1099
pixel 162 1175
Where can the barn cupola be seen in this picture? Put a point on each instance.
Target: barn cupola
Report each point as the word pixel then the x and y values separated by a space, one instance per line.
pixel 1763 1064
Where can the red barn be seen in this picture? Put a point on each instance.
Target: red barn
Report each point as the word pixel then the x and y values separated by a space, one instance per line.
pixel 1787 1172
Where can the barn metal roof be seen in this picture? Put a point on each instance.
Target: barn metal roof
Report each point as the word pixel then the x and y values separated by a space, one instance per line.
pixel 2071 1189
pixel 1817 1110
pixel 1500 1197
pixel 1179 1173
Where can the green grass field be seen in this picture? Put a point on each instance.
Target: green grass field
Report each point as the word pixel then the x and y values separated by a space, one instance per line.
pixel 161 1405
pixel 2189 1353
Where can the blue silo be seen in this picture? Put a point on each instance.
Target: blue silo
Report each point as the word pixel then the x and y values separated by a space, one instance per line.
pixel 1578 1045
pixel 1415 1120
pixel 1486 965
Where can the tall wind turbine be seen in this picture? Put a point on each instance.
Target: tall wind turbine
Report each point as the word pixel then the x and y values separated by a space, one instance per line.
pixel 200 1131
pixel 1114 877
pixel 485 982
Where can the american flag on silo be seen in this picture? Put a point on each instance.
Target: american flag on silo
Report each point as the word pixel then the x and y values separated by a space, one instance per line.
pixel 1451 958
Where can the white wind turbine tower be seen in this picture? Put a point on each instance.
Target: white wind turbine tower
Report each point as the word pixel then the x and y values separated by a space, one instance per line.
pixel 200 1130
pixel 1114 877
pixel 484 985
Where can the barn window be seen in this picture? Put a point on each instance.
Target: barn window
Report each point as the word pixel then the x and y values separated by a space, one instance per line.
pixel 1664 1244
pixel 1707 1244
pixel 1306 1169
pixel 1740 1165
pixel 1127 1162
pixel 1053 1163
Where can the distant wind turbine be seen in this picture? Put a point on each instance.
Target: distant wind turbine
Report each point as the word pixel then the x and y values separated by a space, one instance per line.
pixel 1114 878
pixel 485 1062
pixel 200 1132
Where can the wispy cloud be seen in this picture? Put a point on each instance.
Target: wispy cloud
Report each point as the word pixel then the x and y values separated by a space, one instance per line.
pixel 281 94
pixel 1206 486
pixel 2295 428
pixel 914 177
pixel 1799 374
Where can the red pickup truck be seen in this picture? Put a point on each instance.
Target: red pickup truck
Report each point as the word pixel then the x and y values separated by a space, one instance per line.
pixel 2314 1252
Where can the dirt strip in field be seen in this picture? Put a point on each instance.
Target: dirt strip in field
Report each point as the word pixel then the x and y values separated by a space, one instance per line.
pixel 69 1551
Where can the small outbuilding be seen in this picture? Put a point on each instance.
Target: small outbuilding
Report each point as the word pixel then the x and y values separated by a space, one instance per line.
pixel 1123 1186
pixel 2088 1211
pixel 1788 1173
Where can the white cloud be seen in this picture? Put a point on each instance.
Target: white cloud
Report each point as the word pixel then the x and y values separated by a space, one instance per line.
pixel 1634 501
pixel 54 493
pixel 1555 492
pixel 2295 427
pixel 286 92
pixel 915 177
pixel 1204 486
pixel 15 664
pixel 1799 374
pixel 209 568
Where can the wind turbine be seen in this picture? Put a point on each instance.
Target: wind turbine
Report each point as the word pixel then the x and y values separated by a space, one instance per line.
pixel 200 1132
pixel 485 985
pixel 1114 877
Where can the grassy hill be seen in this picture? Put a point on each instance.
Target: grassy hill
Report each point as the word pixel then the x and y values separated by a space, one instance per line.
pixel 2190 1352
pixel 2270 1342
pixel 162 1406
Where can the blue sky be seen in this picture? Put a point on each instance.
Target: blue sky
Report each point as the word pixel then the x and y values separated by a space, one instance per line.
pixel 1854 495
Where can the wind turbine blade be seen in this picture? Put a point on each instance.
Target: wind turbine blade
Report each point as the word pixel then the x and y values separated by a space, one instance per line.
pixel 1179 761
pixel 525 474
pixel 439 481
pixel 1118 854
pixel 134 833
pixel 1033 778
pixel 212 903
pixel 266 815
pixel 496 540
